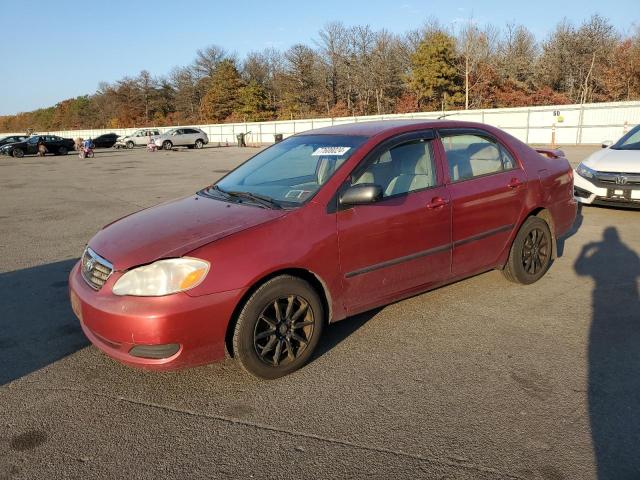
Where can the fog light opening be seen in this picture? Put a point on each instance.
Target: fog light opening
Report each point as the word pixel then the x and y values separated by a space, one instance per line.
pixel 157 352
pixel 581 193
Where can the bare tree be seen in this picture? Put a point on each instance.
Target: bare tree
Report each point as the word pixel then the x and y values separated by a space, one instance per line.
pixel 517 54
pixel 476 49
pixel 207 59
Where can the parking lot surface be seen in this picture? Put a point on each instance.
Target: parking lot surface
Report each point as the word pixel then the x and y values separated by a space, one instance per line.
pixel 482 379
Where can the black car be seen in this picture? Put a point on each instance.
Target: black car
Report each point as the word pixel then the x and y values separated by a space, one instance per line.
pixel 56 145
pixel 12 139
pixel 105 141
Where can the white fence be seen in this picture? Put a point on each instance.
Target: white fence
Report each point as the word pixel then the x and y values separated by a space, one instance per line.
pixel 573 124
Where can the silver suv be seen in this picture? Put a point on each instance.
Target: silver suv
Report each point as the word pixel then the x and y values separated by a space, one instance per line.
pixel 182 137
pixel 138 138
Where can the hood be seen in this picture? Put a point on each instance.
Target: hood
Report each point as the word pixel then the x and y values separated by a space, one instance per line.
pixel 174 229
pixel 610 160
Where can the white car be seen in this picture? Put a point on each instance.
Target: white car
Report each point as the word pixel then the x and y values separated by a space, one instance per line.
pixel 182 137
pixel 611 176
pixel 138 138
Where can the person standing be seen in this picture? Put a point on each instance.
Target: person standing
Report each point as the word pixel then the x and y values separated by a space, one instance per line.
pixel 42 148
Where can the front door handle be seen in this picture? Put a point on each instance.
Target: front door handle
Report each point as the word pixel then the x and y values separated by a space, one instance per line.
pixel 514 183
pixel 437 202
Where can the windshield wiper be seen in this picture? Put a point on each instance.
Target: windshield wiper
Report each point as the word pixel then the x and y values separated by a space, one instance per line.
pixel 255 197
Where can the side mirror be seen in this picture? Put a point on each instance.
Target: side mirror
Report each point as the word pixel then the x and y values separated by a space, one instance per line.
pixel 362 194
pixel 607 144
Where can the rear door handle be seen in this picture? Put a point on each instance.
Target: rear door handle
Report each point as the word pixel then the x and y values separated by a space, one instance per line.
pixel 437 202
pixel 514 183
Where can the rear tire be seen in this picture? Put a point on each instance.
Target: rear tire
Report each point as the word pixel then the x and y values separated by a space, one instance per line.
pixel 278 327
pixel 530 255
pixel 18 152
pixel 167 145
pixel 63 150
pixel 199 144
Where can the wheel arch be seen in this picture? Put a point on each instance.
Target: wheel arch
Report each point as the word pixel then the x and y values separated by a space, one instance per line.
pixel 545 215
pixel 312 278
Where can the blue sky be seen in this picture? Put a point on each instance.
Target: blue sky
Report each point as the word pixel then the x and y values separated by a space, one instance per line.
pixel 44 41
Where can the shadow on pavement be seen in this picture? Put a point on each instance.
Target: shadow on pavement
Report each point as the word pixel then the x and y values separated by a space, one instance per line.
pixel 335 333
pixel 572 231
pixel 37 326
pixel 614 355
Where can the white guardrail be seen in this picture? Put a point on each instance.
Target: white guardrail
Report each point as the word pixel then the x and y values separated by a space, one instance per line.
pixel 569 124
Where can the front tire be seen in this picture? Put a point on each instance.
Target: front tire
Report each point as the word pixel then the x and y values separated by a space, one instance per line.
pixel 63 150
pixel 279 327
pixel 130 144
pixel 18 152
pixel 530 255
pixel 167 145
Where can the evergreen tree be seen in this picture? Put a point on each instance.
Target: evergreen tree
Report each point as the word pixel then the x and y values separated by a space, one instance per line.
pixel 222 96
pixel 254 103
pixel 434 77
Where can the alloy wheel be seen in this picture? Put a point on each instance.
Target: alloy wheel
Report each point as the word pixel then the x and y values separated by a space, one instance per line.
pixel 535 252
pixel 283 330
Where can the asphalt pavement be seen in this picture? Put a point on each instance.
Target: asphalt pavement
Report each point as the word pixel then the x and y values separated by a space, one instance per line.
pixel 482 379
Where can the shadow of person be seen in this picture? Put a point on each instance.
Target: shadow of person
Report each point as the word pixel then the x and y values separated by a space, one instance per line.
pixel 614 355
pixel 37 326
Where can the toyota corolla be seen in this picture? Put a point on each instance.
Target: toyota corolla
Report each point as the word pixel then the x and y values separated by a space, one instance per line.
pixel 324 225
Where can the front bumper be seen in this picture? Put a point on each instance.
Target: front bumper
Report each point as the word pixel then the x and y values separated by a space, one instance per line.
pixel 190 330
pixel 589 192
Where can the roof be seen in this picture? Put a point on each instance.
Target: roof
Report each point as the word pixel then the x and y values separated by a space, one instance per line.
pixel 371 128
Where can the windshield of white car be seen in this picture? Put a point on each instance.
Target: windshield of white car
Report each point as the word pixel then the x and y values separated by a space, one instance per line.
pixel 292 171
pixel 630 141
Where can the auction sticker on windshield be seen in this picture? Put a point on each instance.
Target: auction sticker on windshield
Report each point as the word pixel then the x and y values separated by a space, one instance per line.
pixel 337 151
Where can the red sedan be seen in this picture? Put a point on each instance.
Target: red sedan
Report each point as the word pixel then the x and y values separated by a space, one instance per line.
pixel 326 224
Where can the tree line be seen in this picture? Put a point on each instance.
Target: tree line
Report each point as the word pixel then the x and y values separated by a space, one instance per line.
pixel 354 70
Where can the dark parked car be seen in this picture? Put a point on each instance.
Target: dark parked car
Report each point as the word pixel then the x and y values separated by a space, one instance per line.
pixel 107 140
pixel 55 145
pixel 12 139
pixel 319 227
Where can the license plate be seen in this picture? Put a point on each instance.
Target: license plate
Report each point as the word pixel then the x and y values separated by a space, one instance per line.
pixel 76 306
pixel 618 194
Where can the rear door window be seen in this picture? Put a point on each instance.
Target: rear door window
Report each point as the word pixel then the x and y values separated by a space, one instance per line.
pixel 474 155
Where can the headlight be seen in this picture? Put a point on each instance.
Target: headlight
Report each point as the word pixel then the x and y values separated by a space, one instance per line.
pixel 585 171
pixel 163 277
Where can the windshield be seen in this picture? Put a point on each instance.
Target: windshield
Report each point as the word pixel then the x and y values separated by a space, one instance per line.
pixel 630 141
pixel 171 132
pixel 292 171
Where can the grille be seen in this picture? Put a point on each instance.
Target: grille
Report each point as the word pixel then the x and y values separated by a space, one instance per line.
pixel 618 178
pixel 95 269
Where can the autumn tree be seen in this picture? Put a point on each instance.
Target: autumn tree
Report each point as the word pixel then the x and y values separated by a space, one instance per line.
pixel 574 60
pixel 622 75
